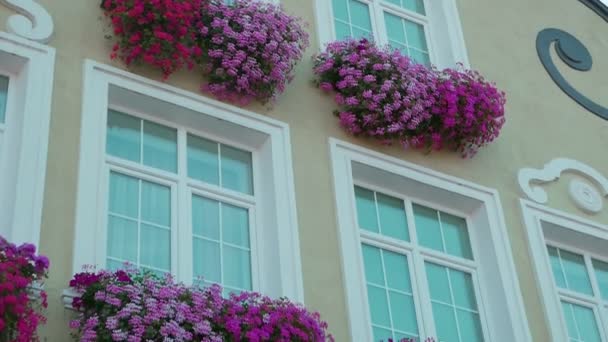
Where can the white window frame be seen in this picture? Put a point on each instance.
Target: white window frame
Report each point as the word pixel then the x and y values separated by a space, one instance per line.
pixel 547 226
pixel 30 67
pixel 497 285
pixel 441 23
pixel 277 263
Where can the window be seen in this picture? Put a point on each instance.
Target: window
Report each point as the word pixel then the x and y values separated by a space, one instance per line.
pixel 171 182
pixel 571 262
pixel 26 83
pixel 427 31
pixel 424 254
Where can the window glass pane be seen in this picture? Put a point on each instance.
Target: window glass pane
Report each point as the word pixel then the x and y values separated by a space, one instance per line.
pixel 378 305
pixel 236 169
pixel 556 267
pixel 207 260
pixel 427 227
pixel 420 57
pixel 360 33
pixel 462 287
pixel 122 239
pixel 374 273
pixel 3 97
pixel 581 323
pixel 397 271
pixel 203 162
pixel 160 146
pixel 403 313
pixel 206 217
pixel 155 247
pixel 342 30
pixel 415 35
pixel 340 9
pixel 576 272
pixel 412 5
pixel 445 322
pixel 456 236
pixel 359 13
pixel 469 325
pixel 124 195
pixel 237 268
pixel 438 283
pixel 235 223
pixel 156 204
pixel 381 334
pixel 123 136
pixel 601 273
pixel 391 212
pixel 366 209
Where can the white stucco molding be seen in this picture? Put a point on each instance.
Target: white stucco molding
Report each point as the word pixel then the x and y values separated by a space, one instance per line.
pixel 587 197
pixel 33 22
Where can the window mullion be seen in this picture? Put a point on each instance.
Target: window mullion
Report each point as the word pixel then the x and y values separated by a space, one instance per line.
pixel 182 232
pixel 378 25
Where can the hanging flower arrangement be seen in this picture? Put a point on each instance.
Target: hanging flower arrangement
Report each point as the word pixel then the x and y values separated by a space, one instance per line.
pixel 250 49
pixel 129 305
pixel 385 95
pixel 247 49
pixel 20 313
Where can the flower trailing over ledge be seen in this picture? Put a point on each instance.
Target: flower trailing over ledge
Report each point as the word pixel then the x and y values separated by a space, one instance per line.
pixel 133 306
pixel 160 33
pixel 250 49
pixel 20 268
pixel 385 95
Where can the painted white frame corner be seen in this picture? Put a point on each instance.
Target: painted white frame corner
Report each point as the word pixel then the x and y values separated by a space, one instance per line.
pixel 534 217
pixel 483 205
pixel 23 161
pixel 444 30
pixel 277 209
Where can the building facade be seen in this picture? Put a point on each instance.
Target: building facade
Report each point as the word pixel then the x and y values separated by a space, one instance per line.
pixel 102 164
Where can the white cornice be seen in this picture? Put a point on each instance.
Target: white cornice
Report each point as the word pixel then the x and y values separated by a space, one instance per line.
pixel 587 197
pixel 33 21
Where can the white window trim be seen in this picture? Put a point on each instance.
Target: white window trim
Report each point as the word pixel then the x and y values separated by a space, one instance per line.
pixel 506 316
pixel 537 218
pixel 439 12
pixel 30 67
pixel 99 81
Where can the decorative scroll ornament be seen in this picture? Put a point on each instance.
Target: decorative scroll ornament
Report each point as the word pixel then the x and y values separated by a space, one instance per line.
pixel 33 22
pixel 572 52
pixel 587 197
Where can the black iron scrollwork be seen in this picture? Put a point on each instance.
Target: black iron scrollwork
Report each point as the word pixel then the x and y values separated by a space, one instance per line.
pixel 572 52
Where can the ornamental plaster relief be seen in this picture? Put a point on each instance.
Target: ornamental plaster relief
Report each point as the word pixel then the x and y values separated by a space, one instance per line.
pixel 32 22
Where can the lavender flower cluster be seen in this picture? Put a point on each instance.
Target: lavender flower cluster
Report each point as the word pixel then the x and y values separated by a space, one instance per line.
pixel 385 95
pixel 134 306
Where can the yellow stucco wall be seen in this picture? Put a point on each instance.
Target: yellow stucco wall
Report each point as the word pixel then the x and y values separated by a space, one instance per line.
pixel 543 123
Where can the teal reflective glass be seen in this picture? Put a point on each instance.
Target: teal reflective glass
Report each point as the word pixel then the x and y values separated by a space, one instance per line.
pixel 601 274
pixel 415 35
pixel 556 267
pixel 372 260
pixel 456 236
pixel 403 313
pixel 3 97
pixel 236 267
pixel 122 239
pixel 469 326
pixel 359 15
pixel 445 322
pixel 428 228
pixel 366 209
pixel 420 56
pixel 394 28
pixel 397 271
pixel 342 30
pixel 123 138
pixel 391 212
pixel 381 334
pixel 340 9
pixel 155 244
pixel 207 260
pixel 581 323
pixel 573 266
pixel 378 306
pixel 124 195
pixel 438 281
pixel 206 217
pixel 462 289
pixel 235 223
pixel 203 160
pixel 412 5
pixel 156 203
pixel 160 146
pixel 236 170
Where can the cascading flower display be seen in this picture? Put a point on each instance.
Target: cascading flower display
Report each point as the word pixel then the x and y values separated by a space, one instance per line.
pixel 250 49
pixel 160 33
pixel 20 314
pixel 385 95
pixel 133 306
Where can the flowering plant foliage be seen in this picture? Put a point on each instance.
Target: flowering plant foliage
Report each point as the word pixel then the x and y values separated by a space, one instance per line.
pixel 250 49
pixel 134 306
pixel 161 33
pixel 385 95
pixel 20 267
